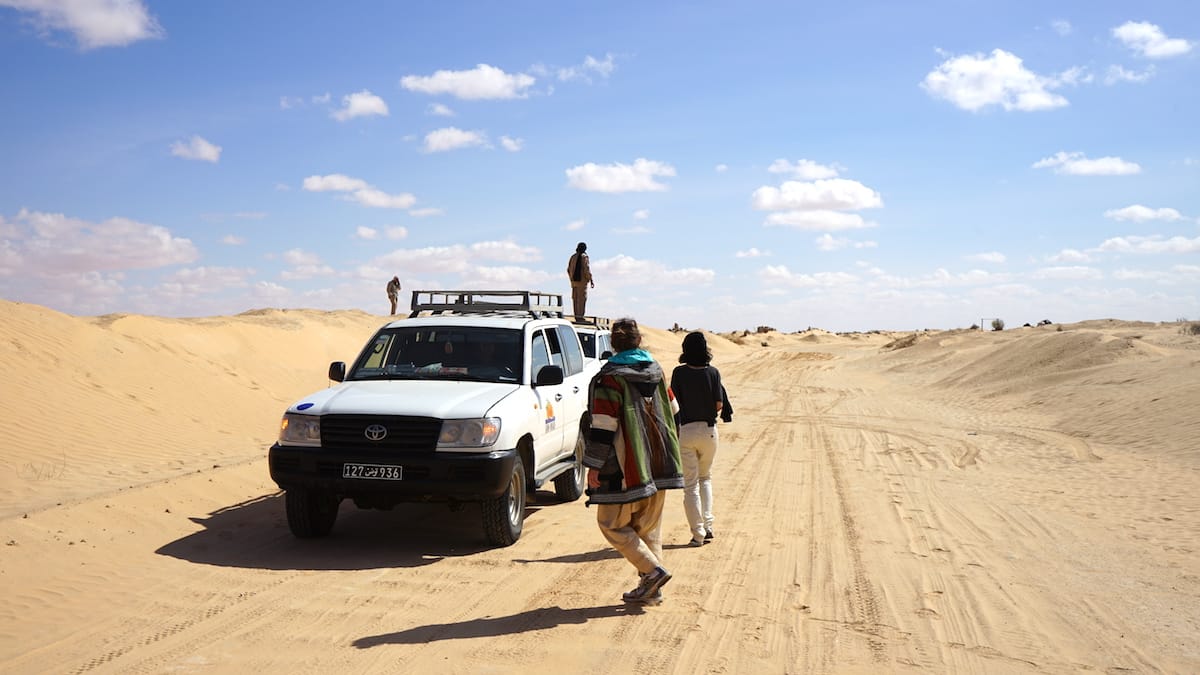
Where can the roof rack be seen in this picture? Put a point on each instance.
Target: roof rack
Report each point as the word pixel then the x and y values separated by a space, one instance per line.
pixel 533 303
pixel 597 321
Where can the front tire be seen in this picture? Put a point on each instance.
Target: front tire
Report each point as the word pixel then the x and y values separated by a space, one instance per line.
pixel 568 485
pixel 311 513
pixel 504 516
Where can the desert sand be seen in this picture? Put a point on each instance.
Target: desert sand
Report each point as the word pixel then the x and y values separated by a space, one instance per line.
pixel 1024 501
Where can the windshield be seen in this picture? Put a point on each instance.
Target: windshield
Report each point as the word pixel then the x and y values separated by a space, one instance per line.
pixel 443 353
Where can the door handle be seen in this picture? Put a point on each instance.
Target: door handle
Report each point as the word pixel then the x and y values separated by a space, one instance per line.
pixel 558 397
pixel 575 389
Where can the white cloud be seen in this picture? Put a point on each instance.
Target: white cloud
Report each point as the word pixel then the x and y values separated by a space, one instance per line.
pixel 233 240
pixel 974 81
pixel 836 194
pixel 512 144
pixel 590 66
pixel 440 110
pixel 368 233
pixel 47 245
pixel 818 221
pixel 990 256
pixel 721 168
pixel 1076 164
pixel 505 251
pixel 781 275
pixel 1140 214
pixel 1076 272
pixel 1061 26
pixel 623 270
pixel 752 253
pixel 483 82
pixel 304 265
pixel 94 23
pixel 425 212
pixel 1152 244
pixel 641 214
pixel 360 104
pixel 359 190
pixel 1069 255
pixel 575 225
pixel 196 148
pixel 1118 74
pixel 803 169
pixel 395 232
pixel 638 177
pixel 828 242
pixel 1148 40
pixel 453 138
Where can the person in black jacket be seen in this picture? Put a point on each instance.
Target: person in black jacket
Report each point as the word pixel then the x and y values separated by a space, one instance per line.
pixel 701 396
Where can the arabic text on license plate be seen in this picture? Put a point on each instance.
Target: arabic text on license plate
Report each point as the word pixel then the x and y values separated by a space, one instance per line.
pixel 375 471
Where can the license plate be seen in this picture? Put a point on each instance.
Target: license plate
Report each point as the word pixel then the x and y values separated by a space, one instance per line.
pixel 372 471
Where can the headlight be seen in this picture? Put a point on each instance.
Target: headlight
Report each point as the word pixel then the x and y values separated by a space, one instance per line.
pixel 300 429
pixel 476 433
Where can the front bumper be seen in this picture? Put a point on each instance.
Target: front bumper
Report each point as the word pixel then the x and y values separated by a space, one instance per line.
pixel 434 476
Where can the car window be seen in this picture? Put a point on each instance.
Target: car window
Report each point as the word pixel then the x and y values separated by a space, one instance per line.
pixel 588 342
pixel 570 347
pixel 603 345
pixel 556 352
pixel 538 356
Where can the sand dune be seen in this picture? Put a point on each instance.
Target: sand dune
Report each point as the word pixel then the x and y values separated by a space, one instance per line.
pixel 959 501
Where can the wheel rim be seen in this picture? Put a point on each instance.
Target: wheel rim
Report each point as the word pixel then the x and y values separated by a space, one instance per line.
pixel 579 468
pixel 516 496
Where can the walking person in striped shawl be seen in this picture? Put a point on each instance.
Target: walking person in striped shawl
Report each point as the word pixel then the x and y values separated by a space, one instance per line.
pixel 632 454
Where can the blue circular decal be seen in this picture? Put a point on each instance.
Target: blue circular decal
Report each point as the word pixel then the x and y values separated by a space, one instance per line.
pixel 304 406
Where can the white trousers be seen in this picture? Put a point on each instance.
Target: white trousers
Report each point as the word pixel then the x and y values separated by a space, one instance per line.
pixel 698 448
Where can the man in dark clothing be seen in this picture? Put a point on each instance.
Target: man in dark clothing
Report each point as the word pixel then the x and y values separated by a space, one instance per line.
pixel 579 271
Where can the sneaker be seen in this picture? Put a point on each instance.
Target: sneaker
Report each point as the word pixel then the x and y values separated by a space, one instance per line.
pixel 696 543
pixel 708 535
pixel 647 589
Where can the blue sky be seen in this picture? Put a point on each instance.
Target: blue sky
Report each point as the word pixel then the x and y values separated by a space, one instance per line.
pixel 847 166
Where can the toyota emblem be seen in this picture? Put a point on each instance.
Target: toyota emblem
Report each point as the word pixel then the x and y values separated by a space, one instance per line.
pixel 375 432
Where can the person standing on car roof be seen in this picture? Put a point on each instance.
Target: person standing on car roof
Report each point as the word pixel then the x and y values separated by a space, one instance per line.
pixel 632 455
pixel 393 291
pixel 698 389
pixel 579 271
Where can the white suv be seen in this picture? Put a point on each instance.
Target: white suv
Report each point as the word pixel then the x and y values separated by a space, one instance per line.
pixel 478 396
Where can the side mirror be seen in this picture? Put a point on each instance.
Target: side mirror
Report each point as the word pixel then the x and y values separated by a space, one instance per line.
pixel 606 355
pixel 337 371
pixel 548 375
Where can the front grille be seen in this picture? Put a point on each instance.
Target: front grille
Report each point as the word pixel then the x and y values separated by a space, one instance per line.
pixel 404 434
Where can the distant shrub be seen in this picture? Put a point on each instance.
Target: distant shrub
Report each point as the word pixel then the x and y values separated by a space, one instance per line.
pixel 1027 325
pixel 1059 329
pixel 1044 322
pixel 1190 328
pixel 974 326
pixel 997 324
pixel 764 329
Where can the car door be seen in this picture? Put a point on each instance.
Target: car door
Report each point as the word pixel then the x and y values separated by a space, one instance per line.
pixel 575 381
pixel 548 432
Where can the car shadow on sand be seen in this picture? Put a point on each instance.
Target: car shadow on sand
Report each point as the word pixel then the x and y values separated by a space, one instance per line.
pixel 541 618
pixel 254 534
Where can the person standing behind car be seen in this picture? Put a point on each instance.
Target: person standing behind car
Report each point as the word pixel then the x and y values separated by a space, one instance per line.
pixel 632 455
pixel 698 389
pixel 579 271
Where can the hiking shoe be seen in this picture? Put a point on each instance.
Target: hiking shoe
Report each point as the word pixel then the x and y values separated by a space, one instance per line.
pixel 647 589
pixel 707 536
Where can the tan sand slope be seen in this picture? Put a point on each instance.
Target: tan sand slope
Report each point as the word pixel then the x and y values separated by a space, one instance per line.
pixel 1023 501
